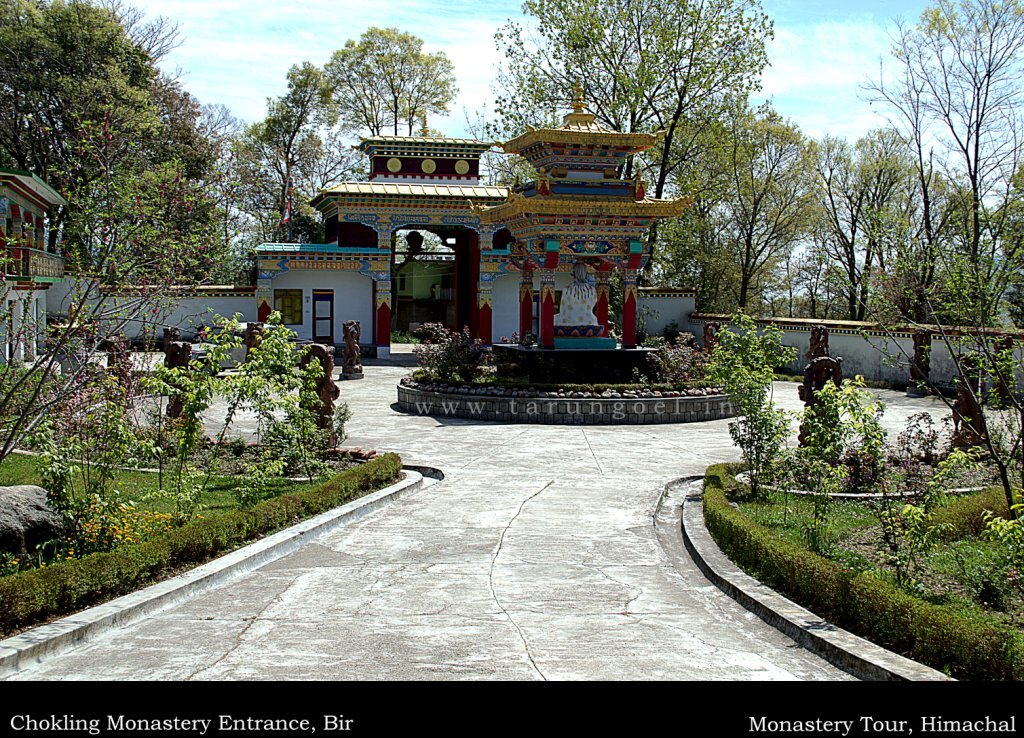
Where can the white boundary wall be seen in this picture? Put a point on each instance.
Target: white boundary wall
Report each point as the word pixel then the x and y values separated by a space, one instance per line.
pixel 661 308
pixel 187 313
pixel 353 299
pixel 865 349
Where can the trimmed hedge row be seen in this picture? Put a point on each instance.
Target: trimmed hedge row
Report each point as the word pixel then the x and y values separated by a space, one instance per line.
pixel 860 602
pixel 33 596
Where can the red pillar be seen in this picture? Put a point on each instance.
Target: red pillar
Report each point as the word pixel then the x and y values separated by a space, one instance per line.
pixel 629 308
pixel 473 247
pixel 547 308
pixel 525 304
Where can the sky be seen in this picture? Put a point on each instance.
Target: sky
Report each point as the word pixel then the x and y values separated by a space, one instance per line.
pixel 237 52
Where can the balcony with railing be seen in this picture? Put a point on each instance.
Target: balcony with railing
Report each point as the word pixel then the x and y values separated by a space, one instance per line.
pixel 23 262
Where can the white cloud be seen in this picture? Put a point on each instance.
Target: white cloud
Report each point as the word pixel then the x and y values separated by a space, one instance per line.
pixel 818 72
pixel 238 53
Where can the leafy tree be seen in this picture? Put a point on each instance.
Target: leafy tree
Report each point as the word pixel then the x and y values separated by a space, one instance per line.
pixel 288 157
pixel 136 239
pixel 385 80
pixel 768 205
pixel 858 186
pixel 956 98
pixel 692 247
pixel 69 66
pixel 646 65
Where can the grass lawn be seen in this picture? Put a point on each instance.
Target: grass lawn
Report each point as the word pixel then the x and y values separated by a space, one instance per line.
pixel 19 469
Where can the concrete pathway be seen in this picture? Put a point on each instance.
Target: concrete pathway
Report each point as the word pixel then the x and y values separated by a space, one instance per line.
pixel 536 558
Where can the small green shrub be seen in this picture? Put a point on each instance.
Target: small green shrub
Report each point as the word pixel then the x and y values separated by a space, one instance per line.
pixel 741 364
pixel 965 516
pixel 30 597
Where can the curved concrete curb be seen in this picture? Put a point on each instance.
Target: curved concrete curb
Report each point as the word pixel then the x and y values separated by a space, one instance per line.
pixel 853 654
pixel 44 641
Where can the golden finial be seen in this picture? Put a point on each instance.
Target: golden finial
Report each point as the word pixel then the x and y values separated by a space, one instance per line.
pixel 639 186
pixel 578 106
pixel 543 182
pixel 424 131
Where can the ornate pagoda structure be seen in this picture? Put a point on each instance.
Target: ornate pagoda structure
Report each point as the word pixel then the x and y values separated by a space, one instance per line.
pixel 579 215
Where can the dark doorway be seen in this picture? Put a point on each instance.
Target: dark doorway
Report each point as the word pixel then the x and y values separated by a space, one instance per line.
pixel 323 316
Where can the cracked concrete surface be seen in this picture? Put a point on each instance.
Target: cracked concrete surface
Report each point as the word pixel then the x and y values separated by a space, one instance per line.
pixel 536 558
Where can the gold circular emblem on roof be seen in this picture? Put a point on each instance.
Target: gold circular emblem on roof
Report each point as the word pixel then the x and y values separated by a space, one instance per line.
pixel 394 164
pixel 462 166
pixel 428 166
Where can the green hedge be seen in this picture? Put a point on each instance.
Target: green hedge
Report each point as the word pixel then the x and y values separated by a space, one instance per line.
pixel 860 602
pixel 33 596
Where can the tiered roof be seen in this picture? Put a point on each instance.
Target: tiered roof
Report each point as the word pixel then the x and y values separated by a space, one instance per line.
pixel 32 188
pixel 579 144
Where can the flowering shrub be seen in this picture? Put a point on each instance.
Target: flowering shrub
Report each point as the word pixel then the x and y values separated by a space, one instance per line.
pixel 81 443
pixel 451 356
pixel 677 362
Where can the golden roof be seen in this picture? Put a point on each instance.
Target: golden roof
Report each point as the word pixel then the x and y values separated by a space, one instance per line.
pixel 378 140
pixel 647 208
pixel 409 189
pixel 581 127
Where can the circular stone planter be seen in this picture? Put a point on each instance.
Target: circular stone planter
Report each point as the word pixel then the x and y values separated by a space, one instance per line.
pixel 551 408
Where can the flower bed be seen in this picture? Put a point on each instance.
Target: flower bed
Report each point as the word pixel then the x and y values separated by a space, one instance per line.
pixel 938 629
pixel 33 596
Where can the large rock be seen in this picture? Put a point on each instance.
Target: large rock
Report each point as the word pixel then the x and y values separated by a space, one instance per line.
pixel 26 520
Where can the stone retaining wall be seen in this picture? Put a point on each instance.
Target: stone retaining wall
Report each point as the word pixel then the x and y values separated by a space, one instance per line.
pixel 564 410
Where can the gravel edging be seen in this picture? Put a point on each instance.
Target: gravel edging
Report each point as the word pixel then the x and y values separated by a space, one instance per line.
pixel 851 653
pixel 44 641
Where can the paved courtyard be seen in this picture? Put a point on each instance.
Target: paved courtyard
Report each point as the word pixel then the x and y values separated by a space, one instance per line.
pixel 537 557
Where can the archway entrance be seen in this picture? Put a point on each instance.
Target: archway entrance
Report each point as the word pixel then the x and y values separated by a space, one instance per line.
pixel 436 275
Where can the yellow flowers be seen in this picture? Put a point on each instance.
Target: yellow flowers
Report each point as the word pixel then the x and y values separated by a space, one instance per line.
pixel 102 527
